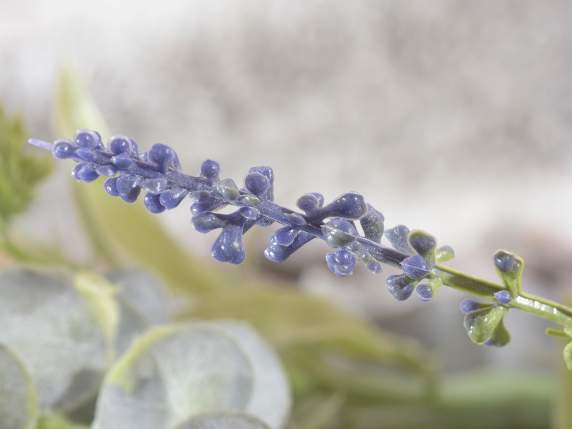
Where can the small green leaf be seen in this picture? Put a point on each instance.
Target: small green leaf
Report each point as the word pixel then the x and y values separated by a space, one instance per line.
pixel 482 324
pixel 223 421
pixel 509 268
pixel 444 254
pixel 501 336
pixel 18 400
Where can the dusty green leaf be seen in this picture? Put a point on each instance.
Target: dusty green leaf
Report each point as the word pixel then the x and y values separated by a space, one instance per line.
pixel 18 400
pixel 47 322
pixel 145 293
pixel 116 228
pixel 176 372
pixel 223 421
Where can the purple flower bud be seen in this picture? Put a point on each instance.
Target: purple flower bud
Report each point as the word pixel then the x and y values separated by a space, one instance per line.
pixel 425 291
pixel 277 253
pixel 132 196
pixel 257 183
pixel 372 224
pixel 123 145
pixel 126 183
pixel 249 213
pixel 122 161
pixel 111 187
pixel 164 157
pixel 205 201
pixel 85 173
pixel 349 206
pixel 339 232
pixel 284 236
pixel 415 267
pixel 85 154
pixel 423 243
pixel 63 149
pixel 398 237
pixel 228 247
pixel 210 169
pixel 206 222
pixel 341 262
pixel 468 305
pixel 309 203
pixel 172 197
pixel 153 203
pixel 503 297
pixel 88 139
pixel 400 286
pixel 506 262
pixel 269 174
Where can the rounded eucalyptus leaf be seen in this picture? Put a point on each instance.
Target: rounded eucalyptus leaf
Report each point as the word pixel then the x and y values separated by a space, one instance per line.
pixel 18 401
pixel 270 400
pixel 173 373
pixel 144 293
pixel 223 421
pixel 48 322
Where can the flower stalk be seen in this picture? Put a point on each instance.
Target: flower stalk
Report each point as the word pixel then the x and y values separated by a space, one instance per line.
pixel 352 229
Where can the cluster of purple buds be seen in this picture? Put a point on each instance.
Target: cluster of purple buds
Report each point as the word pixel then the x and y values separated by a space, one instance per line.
pixel 352 228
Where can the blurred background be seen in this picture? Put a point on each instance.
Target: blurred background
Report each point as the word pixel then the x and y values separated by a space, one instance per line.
pixel 454 117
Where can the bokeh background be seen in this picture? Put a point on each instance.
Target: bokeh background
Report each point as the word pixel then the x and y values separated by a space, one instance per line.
pixel 454 117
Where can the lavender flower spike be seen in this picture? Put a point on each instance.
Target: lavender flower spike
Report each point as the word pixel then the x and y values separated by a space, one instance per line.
pixel 157 174
pixel 351 227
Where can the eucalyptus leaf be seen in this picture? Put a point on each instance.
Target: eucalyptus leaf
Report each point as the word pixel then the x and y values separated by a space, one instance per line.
pixel 18 401
pixel 176 372
pixel 145 293
pixel 270 400
pixel 47 322
pixel 117 229
pixel 143 302
pixel 223 421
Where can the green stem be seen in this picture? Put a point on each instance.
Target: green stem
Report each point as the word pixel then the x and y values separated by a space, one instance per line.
pixel 541 307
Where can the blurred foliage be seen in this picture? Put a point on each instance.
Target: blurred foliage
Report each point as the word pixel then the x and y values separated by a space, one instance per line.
pixel 20 171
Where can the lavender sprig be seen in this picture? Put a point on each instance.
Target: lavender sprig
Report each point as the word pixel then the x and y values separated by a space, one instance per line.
pixel 352 228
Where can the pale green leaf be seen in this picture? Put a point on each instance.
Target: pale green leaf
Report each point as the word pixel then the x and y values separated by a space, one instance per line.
pixel 46 321
pixel 176 372
pixel 18 401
